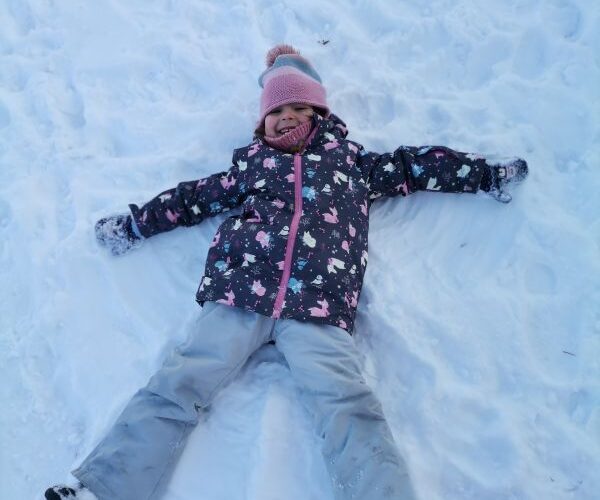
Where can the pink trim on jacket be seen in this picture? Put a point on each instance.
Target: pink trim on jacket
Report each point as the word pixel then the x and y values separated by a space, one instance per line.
pixel 289 248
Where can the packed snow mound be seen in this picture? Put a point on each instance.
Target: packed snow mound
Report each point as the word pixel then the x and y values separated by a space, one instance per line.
pixel 479 322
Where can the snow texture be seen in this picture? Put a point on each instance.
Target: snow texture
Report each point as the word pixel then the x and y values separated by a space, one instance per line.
pixel 482 336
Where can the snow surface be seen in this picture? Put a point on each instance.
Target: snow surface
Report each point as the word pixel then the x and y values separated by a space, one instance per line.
pixel 479 322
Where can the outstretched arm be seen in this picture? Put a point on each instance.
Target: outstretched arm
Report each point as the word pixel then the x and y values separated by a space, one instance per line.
pixel 438 168
pixel 188 204
pixel 185 205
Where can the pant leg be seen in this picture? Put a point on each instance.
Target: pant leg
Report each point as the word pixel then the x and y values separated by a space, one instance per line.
pixel 359 450
pixel 133 461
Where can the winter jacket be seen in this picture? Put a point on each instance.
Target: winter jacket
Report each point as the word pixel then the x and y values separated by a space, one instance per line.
pixel 297 246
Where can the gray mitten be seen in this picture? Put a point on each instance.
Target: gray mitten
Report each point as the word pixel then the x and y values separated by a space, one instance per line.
pixel 499 173
pixel 117 234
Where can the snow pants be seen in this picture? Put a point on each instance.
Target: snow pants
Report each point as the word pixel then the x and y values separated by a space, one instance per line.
pixel 136 457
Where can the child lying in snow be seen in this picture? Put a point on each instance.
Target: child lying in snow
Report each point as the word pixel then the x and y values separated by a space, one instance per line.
pixel 291 262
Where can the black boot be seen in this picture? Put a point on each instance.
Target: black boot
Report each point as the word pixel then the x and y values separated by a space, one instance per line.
pixel 63 492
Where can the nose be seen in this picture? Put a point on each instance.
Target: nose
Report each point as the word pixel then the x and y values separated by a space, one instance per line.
pixel 287 113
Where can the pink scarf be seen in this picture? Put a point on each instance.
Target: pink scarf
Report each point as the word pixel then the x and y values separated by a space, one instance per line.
pixel 293 141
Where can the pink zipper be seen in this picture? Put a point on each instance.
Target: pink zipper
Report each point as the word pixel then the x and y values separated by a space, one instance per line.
pixel 289 249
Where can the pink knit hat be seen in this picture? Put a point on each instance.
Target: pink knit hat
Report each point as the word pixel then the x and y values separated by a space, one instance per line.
pixel 290 78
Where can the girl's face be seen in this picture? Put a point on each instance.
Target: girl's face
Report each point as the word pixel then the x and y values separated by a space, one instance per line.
pixel 285 118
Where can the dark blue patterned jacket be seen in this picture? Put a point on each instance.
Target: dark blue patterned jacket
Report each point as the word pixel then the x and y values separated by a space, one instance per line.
pixel 297 245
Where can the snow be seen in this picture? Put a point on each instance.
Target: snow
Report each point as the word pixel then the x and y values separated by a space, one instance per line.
pixel 479 322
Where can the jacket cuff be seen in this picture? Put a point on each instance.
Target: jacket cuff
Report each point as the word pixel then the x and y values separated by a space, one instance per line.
pixel 136 226
pixel 135 229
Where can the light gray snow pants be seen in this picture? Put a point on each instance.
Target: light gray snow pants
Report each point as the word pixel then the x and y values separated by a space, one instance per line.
pixel 137 456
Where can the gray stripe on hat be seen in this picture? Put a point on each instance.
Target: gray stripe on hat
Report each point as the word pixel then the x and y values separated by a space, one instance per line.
pixel 294 61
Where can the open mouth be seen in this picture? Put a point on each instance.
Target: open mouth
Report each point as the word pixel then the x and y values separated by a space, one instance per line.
pixel 285 130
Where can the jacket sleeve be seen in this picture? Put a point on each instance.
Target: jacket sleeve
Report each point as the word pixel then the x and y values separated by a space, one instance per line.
pixel 429 168
pixel 189 203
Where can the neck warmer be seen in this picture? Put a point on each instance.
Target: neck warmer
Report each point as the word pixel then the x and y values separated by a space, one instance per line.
pixel 293 141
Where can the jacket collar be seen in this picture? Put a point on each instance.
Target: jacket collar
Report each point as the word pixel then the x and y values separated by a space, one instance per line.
pixel 332 124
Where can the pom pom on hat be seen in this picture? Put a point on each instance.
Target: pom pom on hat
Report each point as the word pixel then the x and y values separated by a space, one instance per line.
pixel 290 78
pixel 279 50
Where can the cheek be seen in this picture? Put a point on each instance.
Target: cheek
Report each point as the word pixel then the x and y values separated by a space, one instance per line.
pixel 270 123
pixel 306 117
